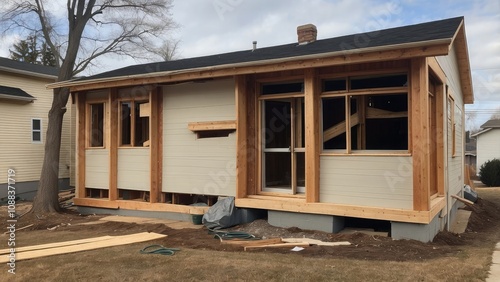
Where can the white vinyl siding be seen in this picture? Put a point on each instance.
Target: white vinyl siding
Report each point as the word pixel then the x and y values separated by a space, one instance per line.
pixel 191 165
pixel 17 150
pixel 455 162
pixel 373 181
pixel 97 168
pixel 133 169
pixel 488 146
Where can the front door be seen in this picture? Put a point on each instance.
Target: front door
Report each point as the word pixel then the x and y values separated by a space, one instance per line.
pixel 283 146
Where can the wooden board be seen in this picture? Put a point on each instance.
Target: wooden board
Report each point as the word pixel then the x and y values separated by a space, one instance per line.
pixel 315 242
pixel 58 244
pixel 465 201
pixel 115 241
pixel 281 245
pixel 245 243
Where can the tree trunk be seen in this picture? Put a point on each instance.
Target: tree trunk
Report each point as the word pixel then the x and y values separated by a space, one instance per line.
pixel 47 199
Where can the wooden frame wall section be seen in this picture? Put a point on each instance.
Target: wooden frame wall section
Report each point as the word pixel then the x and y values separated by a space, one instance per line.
pixel 154 137
pixel 80 144
pixel 241 136
pixel 246 136
pixel 113 144
pixel 312 131
pixel 441 101
pixel 420 134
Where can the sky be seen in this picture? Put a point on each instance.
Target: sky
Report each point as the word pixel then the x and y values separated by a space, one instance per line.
pixel 218 26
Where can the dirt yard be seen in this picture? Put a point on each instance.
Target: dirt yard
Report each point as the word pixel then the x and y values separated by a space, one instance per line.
pixel 202 258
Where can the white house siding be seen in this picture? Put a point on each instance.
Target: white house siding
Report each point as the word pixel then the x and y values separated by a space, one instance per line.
pixel 455 163
pixel 17 151
pixel 97 168
pixel 133 169
pixel 378 181
pixel 198 166
pixel 488 146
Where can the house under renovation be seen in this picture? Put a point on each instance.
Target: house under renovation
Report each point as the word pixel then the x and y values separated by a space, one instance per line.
pixel 316 132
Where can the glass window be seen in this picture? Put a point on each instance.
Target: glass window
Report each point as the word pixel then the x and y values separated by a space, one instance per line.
pixel 134 123
pixel 334 127
pixel 36 130
pixel 97 125
pixel 371 82
pixel 281 88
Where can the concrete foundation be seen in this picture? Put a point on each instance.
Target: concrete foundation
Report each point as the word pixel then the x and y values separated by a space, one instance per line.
pixel 27 190
pixel 326 223
pixel 423 232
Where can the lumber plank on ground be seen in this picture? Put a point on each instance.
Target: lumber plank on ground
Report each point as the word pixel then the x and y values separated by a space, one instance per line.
pixel 58 244
pixel 115 241
pixel 281 245
pixel 244 243
pixel 315 242
pixel 465 201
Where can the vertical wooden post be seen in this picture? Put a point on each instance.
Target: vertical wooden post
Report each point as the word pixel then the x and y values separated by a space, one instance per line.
pixel 241 136
pixel 80 145
pixel 420 134
pixel 112 140
pixel 312 108
pixel 154 133
pixel 440 138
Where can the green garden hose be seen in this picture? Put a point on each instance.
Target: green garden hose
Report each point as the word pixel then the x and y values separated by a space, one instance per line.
pixel 230 235
pixel 159 249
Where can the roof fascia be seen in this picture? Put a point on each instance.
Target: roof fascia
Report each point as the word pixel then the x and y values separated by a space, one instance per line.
pixel 390 52
pixel 28 73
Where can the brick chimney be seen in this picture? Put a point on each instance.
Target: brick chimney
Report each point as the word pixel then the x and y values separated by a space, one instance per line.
pixel 307 33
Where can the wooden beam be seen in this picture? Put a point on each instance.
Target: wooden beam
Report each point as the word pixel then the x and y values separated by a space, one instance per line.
pixel 241 136
pixel 420 134
pixel 301 206
pixel 80 144
pixel 334 59
pixel 139 205
pixel 154 134
pixel 340 128
pixel 212 125
pixel 312 131
pixel 379 113
pixel 441 100
pixel 112 137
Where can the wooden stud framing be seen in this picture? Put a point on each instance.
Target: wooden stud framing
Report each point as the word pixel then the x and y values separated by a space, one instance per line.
pixel 80 144
pixel 420 134
pixel 112 137
pixel 154 135
pixel 312 108
pixel 241 136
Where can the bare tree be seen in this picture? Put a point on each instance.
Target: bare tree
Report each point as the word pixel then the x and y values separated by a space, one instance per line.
pixel 169 50
pixel 89 30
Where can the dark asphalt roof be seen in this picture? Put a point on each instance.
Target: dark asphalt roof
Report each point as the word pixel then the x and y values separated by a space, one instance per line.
pixel 37 69
pixel 15 92
pixel 436 30
pixel 492 123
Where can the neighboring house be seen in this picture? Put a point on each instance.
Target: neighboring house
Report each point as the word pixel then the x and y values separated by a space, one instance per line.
pixel 488 142
pixel 361 126
pixel 24 105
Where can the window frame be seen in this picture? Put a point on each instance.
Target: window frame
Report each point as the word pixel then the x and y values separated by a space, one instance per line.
pixel 88 127
pixel 36 130
pixel 451 117
pixel 347 94
pixel 133 127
